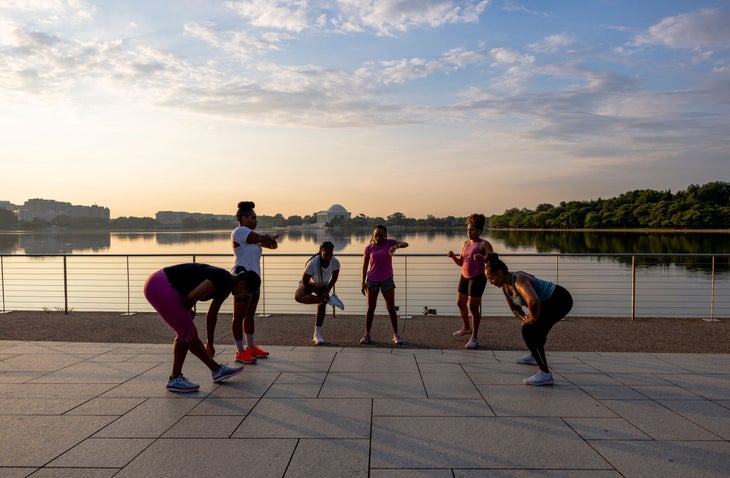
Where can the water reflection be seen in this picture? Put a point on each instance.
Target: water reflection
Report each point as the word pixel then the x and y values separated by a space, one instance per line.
pixel 616 242
pixel 316 236
pixel 181 237
pixel 628 242
pixel 43 243
pixel 307 240
pixel 8 243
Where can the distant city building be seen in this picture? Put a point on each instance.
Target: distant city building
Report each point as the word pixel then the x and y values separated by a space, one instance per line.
pixel 171 218
pixel 175 218
pixel 334 212
pixel 48 210
pixel 7 205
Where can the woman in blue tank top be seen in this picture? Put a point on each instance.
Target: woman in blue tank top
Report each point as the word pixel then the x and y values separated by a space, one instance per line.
pixel 547 303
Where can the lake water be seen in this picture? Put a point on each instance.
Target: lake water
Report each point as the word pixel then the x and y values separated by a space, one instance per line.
pixel 679 281
pixel 305 241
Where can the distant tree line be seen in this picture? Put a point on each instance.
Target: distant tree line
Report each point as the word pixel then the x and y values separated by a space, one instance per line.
pixel 397 220
pixel 698 207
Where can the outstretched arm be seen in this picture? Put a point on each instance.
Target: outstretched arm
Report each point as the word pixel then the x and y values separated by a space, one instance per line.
pixel 266 240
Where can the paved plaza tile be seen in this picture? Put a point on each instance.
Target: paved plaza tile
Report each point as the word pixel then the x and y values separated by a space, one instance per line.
pixel 101 410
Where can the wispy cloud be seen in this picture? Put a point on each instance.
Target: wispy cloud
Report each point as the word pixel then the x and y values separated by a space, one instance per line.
pixel 385 17
pixel 552 43
pixel 707 28
pixel 51 11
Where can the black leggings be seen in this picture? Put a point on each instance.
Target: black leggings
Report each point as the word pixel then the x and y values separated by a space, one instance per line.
pixel 552 311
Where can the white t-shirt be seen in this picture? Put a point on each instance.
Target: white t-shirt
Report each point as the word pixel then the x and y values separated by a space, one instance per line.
pixel 321 276
pixel 247 255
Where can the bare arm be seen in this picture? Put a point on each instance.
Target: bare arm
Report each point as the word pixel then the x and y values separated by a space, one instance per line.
pixel 485 247
pixel 211 319
pixel 524 287
pixel 335 275
pixel 204 289
pixel 458 260
pixel 395 247
pixel 516 309
pixel 365 262
pixel 266 240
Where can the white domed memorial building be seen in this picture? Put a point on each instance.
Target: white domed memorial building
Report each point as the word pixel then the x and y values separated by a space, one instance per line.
pixel 335 211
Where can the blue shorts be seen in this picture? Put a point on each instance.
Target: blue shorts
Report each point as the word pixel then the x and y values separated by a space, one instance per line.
pixel 383 286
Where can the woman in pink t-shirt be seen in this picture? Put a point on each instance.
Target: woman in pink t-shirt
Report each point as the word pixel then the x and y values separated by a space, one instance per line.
pixel 377 276
pixel 472 281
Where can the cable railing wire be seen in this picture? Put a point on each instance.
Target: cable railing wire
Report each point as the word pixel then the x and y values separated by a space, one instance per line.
pixel 603 285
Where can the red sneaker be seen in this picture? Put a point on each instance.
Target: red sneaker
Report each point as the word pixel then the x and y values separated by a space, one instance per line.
pixel 257 352
pixel 244 357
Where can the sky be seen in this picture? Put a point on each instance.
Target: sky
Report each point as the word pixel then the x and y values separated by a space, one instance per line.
pixel 412 106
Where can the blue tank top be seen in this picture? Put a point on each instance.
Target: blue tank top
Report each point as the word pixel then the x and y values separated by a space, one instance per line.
pixel 543 289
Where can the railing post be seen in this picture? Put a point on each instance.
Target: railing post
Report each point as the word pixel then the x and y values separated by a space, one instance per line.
pixel 129 291
pixel 405 267
pixel 712 298
pixel 65 286
pixel 557 269
pixel 262 297
pixel 633 287
pixel 2 281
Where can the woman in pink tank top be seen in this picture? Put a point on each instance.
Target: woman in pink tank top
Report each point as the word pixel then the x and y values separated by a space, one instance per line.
pixel 473 281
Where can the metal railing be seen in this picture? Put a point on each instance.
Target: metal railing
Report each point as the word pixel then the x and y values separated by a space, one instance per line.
pixel 603 285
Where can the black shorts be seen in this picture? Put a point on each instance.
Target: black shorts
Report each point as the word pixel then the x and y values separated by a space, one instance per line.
pixel 253 297
pixel 473 287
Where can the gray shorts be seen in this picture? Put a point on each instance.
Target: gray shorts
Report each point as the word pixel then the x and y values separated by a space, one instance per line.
pixel 383 286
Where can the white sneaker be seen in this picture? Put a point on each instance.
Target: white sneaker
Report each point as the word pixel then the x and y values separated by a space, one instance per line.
pixel 540 378
pixel 334 300
pixel 182 385
pixel 527 360
pixel 317 339
pixel 226 372
pixel 472 344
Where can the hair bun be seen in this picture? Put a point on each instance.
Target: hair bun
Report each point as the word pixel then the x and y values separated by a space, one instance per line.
pixel 246 205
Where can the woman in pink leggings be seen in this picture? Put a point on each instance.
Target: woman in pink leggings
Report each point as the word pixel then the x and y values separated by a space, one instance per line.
pixel 173 292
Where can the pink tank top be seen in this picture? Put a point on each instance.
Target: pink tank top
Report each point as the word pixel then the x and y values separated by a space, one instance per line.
pixel 471 267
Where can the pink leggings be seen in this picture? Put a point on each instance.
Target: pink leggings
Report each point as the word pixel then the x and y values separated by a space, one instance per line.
pixel 169 304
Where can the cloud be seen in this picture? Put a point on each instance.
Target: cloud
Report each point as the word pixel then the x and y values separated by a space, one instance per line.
pixel 552 43
pixel 50 11
pixel 291 15
pixel 506 56
pixel 706 28
pixel 401 71
pixel 384 17
pixel 239 44
pixel 388 16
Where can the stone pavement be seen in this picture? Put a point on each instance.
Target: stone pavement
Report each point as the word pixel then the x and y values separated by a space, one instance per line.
pixel 101 410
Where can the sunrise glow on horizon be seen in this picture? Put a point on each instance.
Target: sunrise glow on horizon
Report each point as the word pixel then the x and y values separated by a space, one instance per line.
pixel 435 107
